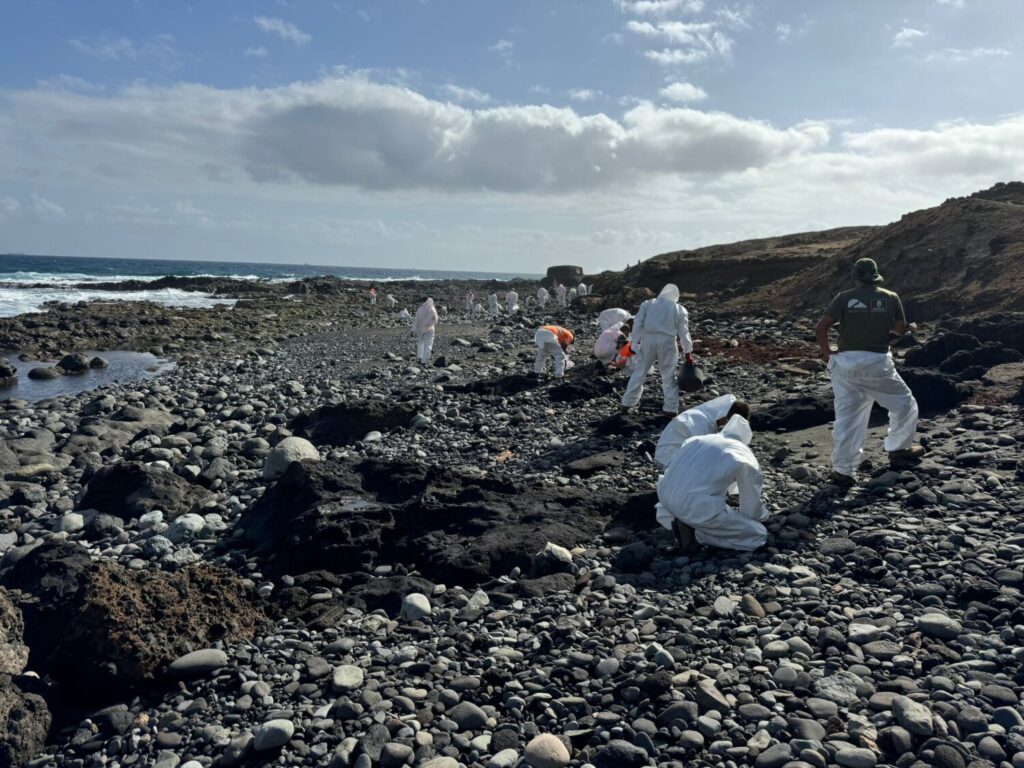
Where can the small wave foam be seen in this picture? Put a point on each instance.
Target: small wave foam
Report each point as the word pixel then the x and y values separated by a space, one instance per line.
pixel 18 301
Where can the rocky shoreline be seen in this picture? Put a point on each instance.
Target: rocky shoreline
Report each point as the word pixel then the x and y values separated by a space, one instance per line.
pixel 465 568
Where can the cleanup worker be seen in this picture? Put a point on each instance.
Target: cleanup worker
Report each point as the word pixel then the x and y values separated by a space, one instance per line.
pixel 423 326
pixel 863 372
pixel 512 301
pixel 560 295
pixel 625 358
pixel 582 290
pixel 692 492
pixel 606 346
pixel 373 296
pixel 543 296
pixel 553 341
pixel 391 300
pixel 610 317
pixel 470 301
pixel 704 419
pixel 492 305
pixel 660 327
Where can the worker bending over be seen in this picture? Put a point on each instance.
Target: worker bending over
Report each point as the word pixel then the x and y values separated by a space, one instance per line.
pixel 705 419
pixel 660 327
pixel 552 341
pixel 610 317
pixel 607 344
pixel 863 372
pixel 692 492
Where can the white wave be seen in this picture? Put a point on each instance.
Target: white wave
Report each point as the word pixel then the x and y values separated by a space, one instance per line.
pixel 68 278
pixel 18 301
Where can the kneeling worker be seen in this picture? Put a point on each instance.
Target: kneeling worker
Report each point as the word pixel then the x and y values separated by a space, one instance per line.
pixel 705 419
pixel 552 341
pixel 692 492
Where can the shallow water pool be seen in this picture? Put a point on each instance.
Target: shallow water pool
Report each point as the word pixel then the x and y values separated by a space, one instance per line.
pixel 124 367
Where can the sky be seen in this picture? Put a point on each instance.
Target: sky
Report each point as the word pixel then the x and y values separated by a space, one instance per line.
pixel 504 135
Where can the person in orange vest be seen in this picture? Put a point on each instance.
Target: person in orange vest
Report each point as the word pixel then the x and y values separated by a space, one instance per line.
pixel 553 341
pixel 373 295
pixel 625 357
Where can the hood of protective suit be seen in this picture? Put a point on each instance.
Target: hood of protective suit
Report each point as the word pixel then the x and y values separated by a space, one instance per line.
pixel 670 291
pixel 738 428
pixel 717 408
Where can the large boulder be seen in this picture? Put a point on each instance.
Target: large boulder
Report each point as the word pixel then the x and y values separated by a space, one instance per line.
pixel 130 489
pixel 112 630
pixel 13 652
pixel 935 351
pixel 989 354
pixel 345 423
pixel 285 453
pixel 8 374
pixel 74 363
pixel 935 392
pixel 24 724
pixel 568 275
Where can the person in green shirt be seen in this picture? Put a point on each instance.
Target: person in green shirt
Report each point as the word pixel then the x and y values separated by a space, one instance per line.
pixel 863 372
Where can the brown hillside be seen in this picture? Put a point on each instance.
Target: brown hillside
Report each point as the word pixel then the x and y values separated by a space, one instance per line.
pixel 962 257
pixel 735 268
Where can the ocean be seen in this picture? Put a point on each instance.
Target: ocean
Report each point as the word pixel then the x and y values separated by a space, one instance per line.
pixel 66 278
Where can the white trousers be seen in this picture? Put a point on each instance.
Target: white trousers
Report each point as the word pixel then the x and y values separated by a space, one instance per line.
pixel 424 345
pixel 373 300
pixel 662 349
pixel 860 379
pixel 548 346
pixel 543 302
pixel 561 301
pixel 715 523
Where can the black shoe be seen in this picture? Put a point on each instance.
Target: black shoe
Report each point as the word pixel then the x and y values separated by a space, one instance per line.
pixel 686 538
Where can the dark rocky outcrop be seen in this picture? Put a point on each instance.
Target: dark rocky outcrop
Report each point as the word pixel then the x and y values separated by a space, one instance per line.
pixel 935 351
pixel 24 723
pixel 346 423
pixel 935 392
pixel 793 414
pixel 8 374
pixel 102 630
pixel 567 275
pixel 130 489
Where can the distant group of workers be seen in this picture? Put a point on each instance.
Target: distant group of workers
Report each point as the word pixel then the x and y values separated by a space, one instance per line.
pixel 705 452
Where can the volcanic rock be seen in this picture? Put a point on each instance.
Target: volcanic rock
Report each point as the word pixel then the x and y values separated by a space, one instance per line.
pixel 346 423
pixel 130 489
pixel 796 413
pixel 24 724
pixel 8 374
pixel 282 455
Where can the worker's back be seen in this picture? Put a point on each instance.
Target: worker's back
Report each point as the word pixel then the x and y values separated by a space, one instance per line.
pixel 660 316
pixel 866 314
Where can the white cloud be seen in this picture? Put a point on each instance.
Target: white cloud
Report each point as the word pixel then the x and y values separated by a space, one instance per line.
pixel 258 52
pixel 683 92
pixel 464 95
pixel 907 36
pixel 46 209
pixel 283 29
pixel 9 206
pixel 583 94
pixel 109 50
pixel 783 32
pixel 659 7
pixel 958 55
pixel 952 3
pixel 505 50
pixel 692 42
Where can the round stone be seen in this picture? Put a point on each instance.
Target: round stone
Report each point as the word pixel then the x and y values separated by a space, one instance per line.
pixel 347 677
pixel 200 662
pixel 546 751
pixel 282 455
pixel 272 734
pixel 415 606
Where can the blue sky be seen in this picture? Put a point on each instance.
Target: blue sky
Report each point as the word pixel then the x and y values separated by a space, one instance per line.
pixel 504 134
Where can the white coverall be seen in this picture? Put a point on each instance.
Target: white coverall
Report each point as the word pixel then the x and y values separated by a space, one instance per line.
pixel 391 300
pixel 424 326
pixel 582 290
pixel 659 323
pixel 543 296
pixel 560 295
pixel 860 379
pixel 605 347
pixel 610 317
pixel 693 490
pixel 571 295
pixel 478 309
pixel 693 422
pixel 470 301
pixel 404 314
pixel 492 305
pixel 512 302
pixel 548 346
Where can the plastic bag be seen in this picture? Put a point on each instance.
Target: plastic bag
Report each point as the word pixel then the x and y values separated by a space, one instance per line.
pixel 691 378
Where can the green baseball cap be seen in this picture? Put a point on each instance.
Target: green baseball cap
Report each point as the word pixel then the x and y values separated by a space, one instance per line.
pixel 866 270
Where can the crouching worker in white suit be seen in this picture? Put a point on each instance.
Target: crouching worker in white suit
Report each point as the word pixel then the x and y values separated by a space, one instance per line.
pixel 424 325
pixel 692 492
pixel 553 341
pixel 704 419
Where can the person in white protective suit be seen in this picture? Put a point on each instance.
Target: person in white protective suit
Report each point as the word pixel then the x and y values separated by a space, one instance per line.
pixel 581 290
pixel 692 492
pixel 607 344
pixel 553 341
pixel 660 327
pixel 512 301
pixel 610 317
pixel 423 326
pixel 404 314
pixel 543 296
pixel 470 301
pixel 478 309
pixel 704 419
pixel 391 300
pixel 560 295
pixel 571 295
pixel 863 372
pixel 492 305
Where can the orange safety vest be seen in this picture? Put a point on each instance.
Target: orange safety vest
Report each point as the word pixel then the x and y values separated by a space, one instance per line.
pixel 623 355
pixel 564 336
